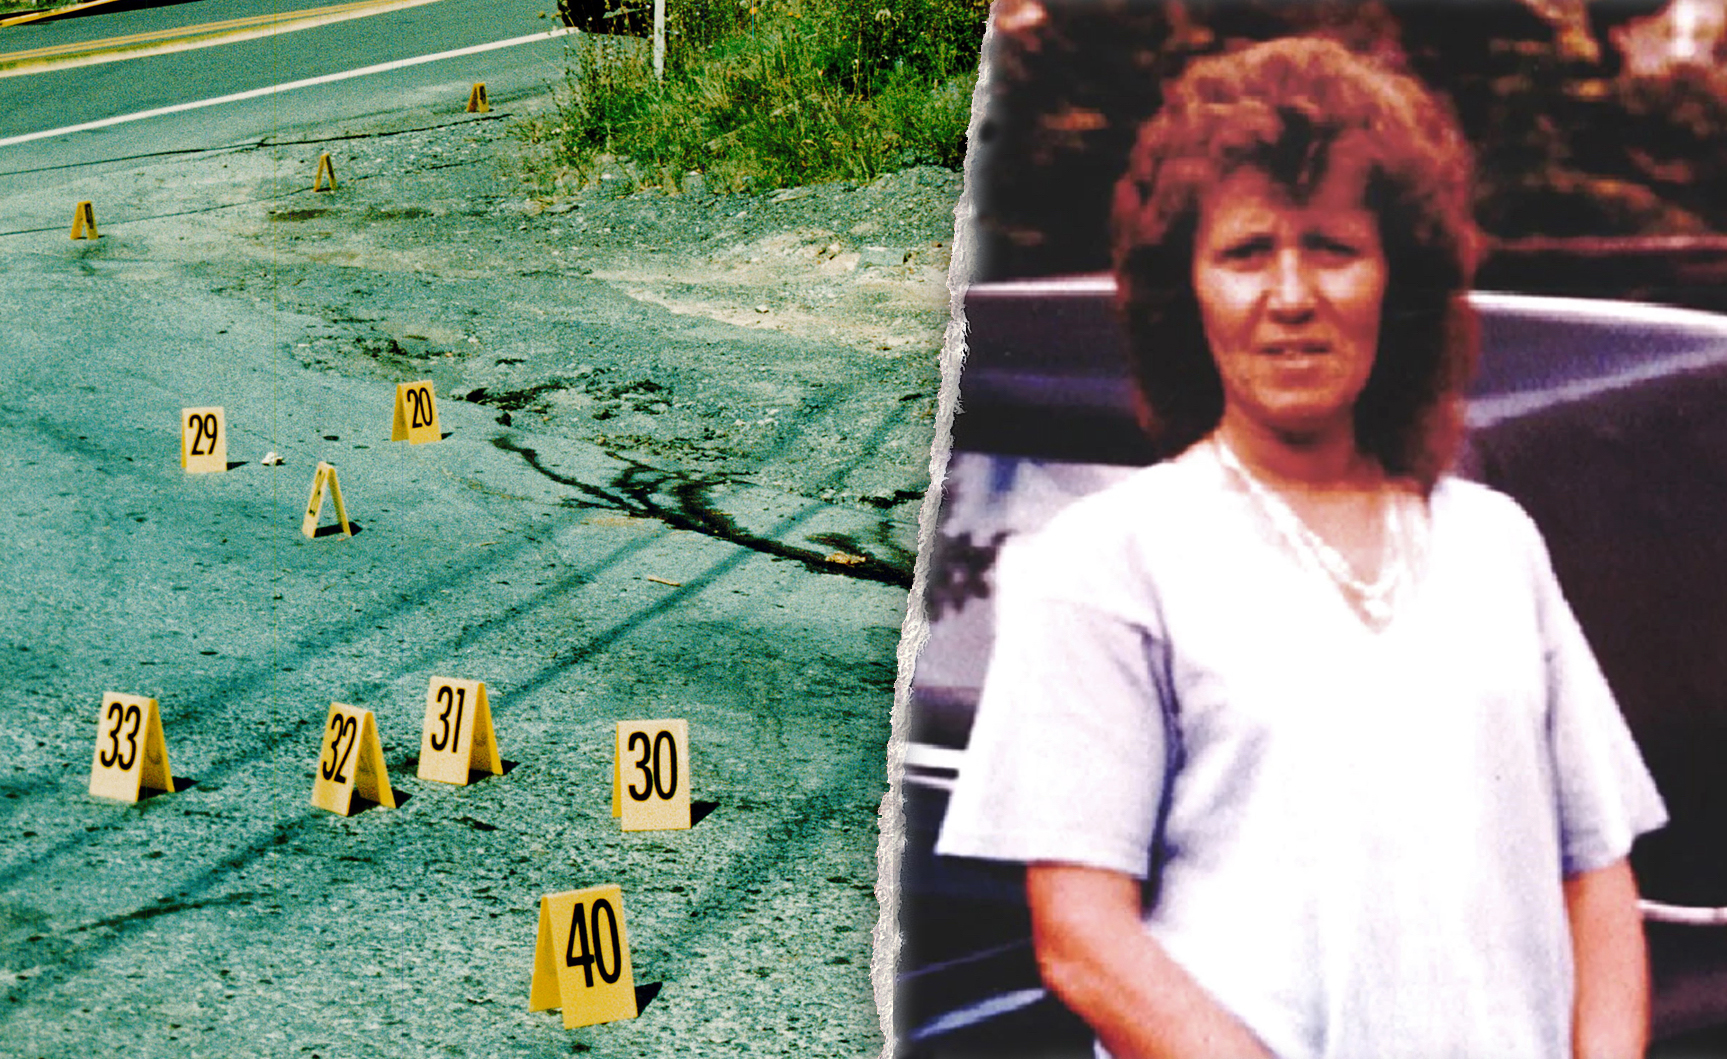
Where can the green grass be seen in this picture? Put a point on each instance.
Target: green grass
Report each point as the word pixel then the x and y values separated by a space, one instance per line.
pixel 13 7
pixel 783 93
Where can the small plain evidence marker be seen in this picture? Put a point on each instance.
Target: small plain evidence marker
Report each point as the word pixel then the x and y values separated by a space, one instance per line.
pixel 477 100
pixel 582 958
pixel 457 738
pixel 651 775
pixel 325 168
pixel 325 476
pixel 203 440
pixel 84 222
pixel 350 762
pixel 416 417
pixel 131 754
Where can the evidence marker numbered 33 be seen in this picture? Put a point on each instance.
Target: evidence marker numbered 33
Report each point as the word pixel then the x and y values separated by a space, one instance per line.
pixel 203 440
pixel 582 958
pixel 457 739
pixel 350 762
pixel 651 775
pixel 131 755
pixel 416 416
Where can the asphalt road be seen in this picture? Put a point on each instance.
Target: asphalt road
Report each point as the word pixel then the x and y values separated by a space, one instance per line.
pixel 233 918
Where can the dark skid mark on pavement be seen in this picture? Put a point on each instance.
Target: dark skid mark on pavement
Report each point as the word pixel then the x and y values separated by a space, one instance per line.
pixel 638 490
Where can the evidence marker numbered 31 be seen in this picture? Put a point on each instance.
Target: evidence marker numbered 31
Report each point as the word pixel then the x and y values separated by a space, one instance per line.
pixel 416 417
pixel 203 440
pixel 457 739
pixel 350 762
pixel 651 775
pixel 582 958
pixel 131 755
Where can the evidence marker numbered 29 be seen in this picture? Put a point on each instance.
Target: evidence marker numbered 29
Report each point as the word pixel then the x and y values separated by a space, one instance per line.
pixel 457 739
pixel 651 775
pixel 131 754
pixel 350 762
pixel 416 416
pixel 582 958
pixel 203 440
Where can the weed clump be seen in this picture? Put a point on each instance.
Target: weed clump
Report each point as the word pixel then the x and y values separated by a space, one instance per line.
pixel 768 93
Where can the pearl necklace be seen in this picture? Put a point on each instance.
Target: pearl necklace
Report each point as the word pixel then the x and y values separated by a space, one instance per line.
pixel 1375 601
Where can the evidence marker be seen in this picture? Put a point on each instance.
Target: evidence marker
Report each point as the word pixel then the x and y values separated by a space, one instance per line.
pixel 325 168
pixel 416 417
pixel 325 476
pixel 457 738
pixel 477 100
pixel 131 754
pixel 582 958
pixel 350 762
pixel 203 440
pixel 84 222
pixel 651 775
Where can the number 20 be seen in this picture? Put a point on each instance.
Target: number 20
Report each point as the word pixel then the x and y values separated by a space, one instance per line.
pixel 652 767
pixel 421 414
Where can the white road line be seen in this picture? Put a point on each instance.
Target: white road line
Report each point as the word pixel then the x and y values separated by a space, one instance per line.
pixel 273 89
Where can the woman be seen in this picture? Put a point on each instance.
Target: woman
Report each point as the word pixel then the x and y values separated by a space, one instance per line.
pixel 1301 745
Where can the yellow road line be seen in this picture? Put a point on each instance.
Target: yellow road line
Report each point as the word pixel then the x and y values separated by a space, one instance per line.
pixel 185 38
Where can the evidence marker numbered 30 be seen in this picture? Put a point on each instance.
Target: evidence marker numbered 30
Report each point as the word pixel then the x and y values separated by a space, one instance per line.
pixel 131 754
pixel 651 775
pixel 203 440
pixel 457 739
pixel 416 417
pixel 582 958
pixel 350 762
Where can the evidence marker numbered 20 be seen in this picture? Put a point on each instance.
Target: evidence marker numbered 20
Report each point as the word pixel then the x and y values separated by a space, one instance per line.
pixel 416 416
pixel 203 440
pixel 457 739
pixel 582 958
pixel 131 754
pixel 350 762
pixel 651 775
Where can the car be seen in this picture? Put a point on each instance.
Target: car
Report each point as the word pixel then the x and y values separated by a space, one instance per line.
pixel 1606 420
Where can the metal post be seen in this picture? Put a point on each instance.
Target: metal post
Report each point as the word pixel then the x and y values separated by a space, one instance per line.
pixel 659 39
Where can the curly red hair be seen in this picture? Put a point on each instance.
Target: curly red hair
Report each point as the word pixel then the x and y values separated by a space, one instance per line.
pixel 1286 107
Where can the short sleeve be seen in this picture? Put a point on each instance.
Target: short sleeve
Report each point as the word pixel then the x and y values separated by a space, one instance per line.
pixel 1605 793
pixel 1067 758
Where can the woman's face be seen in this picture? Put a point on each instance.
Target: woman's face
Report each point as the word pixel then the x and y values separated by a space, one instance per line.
pixel 1290 297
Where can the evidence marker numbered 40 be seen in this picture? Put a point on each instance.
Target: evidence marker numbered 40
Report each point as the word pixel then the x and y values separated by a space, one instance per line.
pixel 457 739
pixel 416 417
pixel 582 958
pixel 350 762
pixel 203 440
pixel 651 775
pixel 131 755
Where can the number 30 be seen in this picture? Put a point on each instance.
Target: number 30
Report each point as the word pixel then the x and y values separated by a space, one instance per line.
pixel 653 768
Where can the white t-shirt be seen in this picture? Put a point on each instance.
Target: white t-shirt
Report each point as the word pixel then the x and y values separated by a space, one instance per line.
pixel 1355 839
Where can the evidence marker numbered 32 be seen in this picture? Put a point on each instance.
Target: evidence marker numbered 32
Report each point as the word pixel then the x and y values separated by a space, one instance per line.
pixel 350 762
pixel 416 416
pixel 582 958
pixel 457 739
pixel 651 775
pixel 203 440
pixel 131 754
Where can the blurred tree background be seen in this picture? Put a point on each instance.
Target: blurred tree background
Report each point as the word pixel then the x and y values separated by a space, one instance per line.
pixel 1598 126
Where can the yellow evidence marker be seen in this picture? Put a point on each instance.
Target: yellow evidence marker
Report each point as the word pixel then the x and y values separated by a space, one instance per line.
pixel 84 222
pixel 350 762
pixel 416 417
pixel 131 754
pixel 582 958
pixel 325 167
pixel 652 793
pixel 477 100
pixel 326 476
pixel 449 748
pixel 203 440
